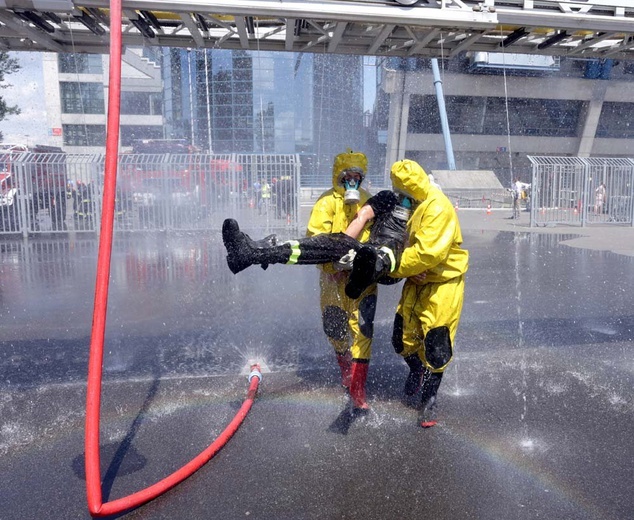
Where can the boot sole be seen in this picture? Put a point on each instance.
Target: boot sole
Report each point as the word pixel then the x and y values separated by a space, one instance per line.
pixel 230 230
pixel 231 239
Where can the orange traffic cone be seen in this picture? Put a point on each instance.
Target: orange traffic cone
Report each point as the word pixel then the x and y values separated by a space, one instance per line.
pixel 488 209
pixel 456 207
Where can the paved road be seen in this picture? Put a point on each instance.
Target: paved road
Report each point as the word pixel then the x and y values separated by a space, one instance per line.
pixel 608 237
pixel 536 411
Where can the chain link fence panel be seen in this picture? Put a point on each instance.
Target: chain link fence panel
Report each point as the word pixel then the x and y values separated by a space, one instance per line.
pixel 58 192
pixel 580 191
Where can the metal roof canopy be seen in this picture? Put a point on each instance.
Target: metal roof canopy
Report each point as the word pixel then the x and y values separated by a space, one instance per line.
pixel 552 160
pixel 430 28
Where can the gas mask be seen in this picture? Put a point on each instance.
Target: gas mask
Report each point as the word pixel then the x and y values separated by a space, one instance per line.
pixel 352 195
pixel 351 178
pixel 403 209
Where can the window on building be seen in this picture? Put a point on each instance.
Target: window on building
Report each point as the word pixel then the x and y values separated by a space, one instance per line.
pixel 84 135
pixel 81 98
pixel 616 121
pixel 141 103
pixel 79 63
pixel 132 132
pixel 423 115
pixel 532 117
pixel 488 116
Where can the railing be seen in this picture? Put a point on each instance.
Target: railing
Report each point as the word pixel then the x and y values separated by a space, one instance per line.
pixel 582 190
pixel 56 193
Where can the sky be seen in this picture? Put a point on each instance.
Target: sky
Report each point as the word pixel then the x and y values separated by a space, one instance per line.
pixel 25 89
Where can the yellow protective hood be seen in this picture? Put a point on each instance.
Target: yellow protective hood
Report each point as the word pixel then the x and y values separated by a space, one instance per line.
pixel 434 235
pixel 345 161
pixel 410 178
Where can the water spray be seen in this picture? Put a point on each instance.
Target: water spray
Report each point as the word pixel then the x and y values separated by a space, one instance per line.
pixel 255 364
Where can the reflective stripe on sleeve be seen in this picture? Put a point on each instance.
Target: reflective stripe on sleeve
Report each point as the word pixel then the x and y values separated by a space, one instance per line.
pixel 389 253
pixel 295 252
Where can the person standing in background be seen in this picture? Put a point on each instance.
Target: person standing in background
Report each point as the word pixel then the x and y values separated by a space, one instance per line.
pixel 599 198
pixel 518 191
pixel 433 182
pixel 265 197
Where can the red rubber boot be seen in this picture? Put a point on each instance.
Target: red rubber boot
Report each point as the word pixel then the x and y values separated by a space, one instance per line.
pixel 357 384
pixel 345 364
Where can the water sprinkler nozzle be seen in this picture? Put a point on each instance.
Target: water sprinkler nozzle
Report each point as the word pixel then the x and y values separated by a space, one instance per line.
pixel 255 372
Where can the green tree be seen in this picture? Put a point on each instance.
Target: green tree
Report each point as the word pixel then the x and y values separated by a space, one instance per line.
pixel 8 65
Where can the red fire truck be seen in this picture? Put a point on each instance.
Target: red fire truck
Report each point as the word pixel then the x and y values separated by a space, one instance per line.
pixel 171 190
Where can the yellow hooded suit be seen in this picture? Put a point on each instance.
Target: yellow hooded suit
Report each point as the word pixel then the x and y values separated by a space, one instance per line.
pixel 340 314
pixel 428 312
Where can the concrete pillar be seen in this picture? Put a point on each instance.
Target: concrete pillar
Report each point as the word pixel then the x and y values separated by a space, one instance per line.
pixel 591 122
pixel 397 121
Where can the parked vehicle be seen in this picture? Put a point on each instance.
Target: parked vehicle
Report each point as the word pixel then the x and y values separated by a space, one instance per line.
pixel 177 191
pixel 43 185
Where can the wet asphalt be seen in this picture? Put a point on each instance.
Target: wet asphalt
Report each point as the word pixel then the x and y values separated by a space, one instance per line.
pixel 536 411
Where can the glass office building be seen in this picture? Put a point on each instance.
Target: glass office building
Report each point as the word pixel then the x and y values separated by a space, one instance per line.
pixel 236 101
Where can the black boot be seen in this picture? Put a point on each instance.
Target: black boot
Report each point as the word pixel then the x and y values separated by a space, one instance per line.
pixel 431 382
pixel 368 266
pixel 268 241
pixel 242 251
pixel 415 376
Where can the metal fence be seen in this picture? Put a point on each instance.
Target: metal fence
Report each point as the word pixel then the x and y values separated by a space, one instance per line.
pixel 54 193
pixel 582 190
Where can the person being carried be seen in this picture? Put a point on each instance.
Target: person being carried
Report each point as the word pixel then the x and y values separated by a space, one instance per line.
pixel 369 262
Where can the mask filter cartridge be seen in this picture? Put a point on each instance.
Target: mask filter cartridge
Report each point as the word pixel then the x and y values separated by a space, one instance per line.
pixel 352 195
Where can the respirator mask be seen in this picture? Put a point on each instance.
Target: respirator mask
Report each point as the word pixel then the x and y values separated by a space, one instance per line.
pixel 351 182
pixel 403 209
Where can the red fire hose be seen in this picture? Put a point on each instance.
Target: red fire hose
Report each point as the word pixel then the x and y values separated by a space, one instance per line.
pixel 95 363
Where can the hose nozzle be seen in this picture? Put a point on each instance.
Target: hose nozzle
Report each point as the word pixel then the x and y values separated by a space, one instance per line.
pixel 255 372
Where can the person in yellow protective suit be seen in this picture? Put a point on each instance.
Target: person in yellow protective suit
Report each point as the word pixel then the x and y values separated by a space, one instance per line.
pixel 434 265
pixel 348 323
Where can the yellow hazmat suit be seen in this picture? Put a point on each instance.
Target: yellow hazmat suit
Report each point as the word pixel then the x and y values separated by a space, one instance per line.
pixel 434 247
pixel 347 323
pixel 429 311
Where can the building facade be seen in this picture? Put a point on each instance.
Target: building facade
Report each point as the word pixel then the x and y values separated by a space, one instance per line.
pixel 234 101
pixel 221 101
pixel 502 108
pixel 76 98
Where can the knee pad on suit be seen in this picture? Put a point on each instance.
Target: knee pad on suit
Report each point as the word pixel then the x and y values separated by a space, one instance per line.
pixel 335 322
pixel 438 351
